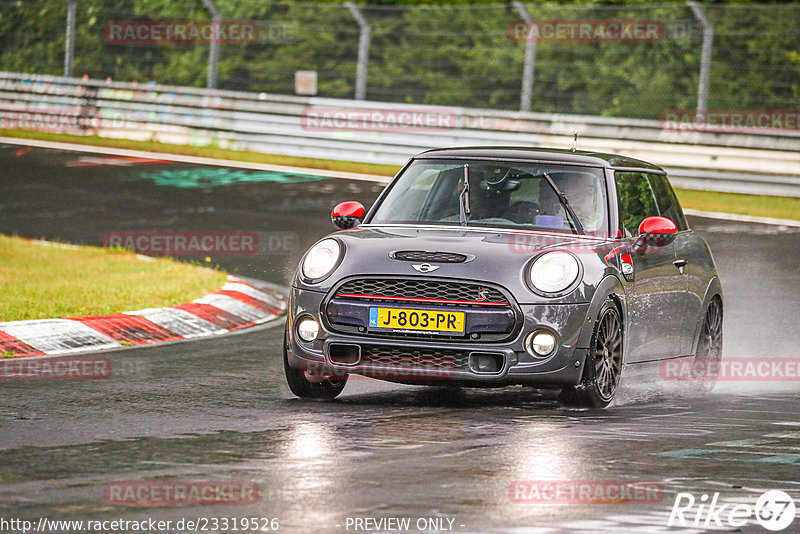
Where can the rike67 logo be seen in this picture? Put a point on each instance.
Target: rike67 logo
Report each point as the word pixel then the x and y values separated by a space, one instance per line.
pixel 774 510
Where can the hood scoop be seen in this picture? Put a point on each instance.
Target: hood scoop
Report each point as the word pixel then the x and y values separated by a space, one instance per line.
pixel 428 256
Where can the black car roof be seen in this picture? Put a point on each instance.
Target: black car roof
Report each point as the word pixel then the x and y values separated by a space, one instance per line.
pixel 541 154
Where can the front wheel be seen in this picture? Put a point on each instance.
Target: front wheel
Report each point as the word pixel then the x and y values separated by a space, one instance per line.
pixel 603 366
pixel 709 347
pixel 324 389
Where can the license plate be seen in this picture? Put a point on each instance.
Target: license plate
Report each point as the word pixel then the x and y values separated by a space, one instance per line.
pixel 433 322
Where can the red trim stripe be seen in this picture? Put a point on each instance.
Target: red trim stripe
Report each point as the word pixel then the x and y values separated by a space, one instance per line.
pixel 438 301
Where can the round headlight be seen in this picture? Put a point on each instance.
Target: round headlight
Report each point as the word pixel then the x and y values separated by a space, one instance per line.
pixel 554 272
pixel 321 259
pixel 308 329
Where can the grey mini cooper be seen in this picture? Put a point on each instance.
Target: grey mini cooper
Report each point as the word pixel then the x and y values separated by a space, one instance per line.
pixel 494 266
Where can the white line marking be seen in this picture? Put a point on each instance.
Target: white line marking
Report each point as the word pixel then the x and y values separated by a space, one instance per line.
pixel 54 244
pixel 317 172
pixel 741 218
pixel 194 159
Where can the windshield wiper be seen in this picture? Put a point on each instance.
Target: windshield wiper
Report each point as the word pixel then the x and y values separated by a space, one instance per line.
pixel 463 198
pixel 578 227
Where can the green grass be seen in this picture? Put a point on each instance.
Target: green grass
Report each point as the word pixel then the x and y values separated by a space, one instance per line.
pixel 43 282
pixel 759 205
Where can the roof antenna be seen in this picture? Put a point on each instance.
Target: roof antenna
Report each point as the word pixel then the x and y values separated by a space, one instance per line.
pixel 575 141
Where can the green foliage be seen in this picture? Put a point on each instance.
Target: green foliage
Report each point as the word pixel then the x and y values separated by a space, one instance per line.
pixel 635 200
pixel 426 52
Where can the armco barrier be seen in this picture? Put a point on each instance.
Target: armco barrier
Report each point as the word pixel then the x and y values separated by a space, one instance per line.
pixel 753 162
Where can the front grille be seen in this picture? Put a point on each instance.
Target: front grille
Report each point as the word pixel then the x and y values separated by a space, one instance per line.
pixel 412 357
pixel 416 290
pixel 422 255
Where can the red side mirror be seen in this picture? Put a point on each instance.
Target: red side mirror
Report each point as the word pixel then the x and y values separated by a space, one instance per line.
pixel 657 225
pixel 348 214
pixel 655 231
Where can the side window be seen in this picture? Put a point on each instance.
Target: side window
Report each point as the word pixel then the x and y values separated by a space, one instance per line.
pixel 636 201
pixel 668 203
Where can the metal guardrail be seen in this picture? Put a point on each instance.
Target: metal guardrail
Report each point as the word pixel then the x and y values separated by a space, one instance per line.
pixel 761 163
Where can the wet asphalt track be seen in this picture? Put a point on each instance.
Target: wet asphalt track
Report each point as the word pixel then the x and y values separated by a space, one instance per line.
pixel 219 409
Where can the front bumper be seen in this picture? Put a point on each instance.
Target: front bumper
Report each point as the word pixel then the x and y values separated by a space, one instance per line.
pixel 442 362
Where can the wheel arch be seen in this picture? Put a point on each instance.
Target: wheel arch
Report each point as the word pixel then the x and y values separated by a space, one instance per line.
pixel 713 289
pixel 609 287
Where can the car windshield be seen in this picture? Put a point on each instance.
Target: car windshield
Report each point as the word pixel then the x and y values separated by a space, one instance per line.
pixel 501 194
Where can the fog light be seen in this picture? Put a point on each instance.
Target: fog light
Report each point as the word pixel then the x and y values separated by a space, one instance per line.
pixel 307 329
pixel 541 343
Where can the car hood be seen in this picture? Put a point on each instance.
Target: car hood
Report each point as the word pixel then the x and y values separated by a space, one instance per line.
pixel 496 256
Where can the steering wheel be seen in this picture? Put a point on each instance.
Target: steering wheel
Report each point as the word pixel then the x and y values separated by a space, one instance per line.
pixel 522 212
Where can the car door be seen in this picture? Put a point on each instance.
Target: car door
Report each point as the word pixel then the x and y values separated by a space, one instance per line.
pixel 688 246
pixel 654 296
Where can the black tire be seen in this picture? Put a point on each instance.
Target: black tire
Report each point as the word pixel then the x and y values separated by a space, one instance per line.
pixel 305 388
pixel 603 367
pixel 708 356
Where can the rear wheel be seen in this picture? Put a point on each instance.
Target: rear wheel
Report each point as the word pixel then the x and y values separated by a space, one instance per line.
pixel 603 367
pixel 299 383
pixel 709 347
